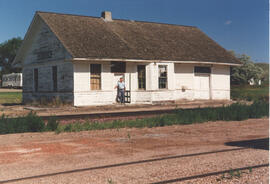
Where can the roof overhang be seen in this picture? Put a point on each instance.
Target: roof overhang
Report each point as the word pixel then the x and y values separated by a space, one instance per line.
pixel 153 61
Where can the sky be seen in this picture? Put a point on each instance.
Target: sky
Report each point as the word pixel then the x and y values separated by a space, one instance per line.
pixel 238 25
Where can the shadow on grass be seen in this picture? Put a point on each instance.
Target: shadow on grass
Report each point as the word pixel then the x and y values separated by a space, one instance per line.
pixel 255 144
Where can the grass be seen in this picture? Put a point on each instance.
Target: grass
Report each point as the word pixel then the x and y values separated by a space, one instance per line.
pixel 233 174
pixel 29 123
pixel 16 97
pixel 250 93
pixel 235 112
pixel 10 97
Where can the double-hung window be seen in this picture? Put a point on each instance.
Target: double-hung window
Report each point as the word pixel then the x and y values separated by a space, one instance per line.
pixel 162 77
pixel 141 76
pixel 95 76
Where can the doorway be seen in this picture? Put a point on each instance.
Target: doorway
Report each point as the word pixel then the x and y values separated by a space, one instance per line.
pixel 202 82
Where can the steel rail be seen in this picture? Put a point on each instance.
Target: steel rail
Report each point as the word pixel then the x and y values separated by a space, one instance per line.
pixel 210 174
pixel 110 114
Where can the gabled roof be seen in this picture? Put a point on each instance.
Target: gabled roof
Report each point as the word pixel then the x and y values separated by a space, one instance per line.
pixel 93 37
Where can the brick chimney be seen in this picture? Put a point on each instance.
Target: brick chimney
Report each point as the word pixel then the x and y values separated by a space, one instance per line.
pixel 106 15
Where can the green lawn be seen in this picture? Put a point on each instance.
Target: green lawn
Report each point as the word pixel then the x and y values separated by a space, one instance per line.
pixel 10 97
pixel 250 93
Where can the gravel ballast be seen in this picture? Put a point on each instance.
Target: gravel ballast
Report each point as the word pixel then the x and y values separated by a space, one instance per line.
pixel 168 153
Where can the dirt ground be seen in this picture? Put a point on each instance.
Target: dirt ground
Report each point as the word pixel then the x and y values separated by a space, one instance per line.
pixel 147 155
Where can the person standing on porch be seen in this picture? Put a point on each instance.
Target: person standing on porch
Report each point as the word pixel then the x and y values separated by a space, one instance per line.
pixel 121 90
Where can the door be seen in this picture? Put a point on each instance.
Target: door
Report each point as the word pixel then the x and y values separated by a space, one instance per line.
pixel 202 86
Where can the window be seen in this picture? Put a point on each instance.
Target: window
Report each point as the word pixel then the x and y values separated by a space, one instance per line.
pixel 118 67
pixel 141 76
pixel 44 55
pixel 202 69
pixel 54 77
pixel 36 79
pixel 162 76
pixel 95 77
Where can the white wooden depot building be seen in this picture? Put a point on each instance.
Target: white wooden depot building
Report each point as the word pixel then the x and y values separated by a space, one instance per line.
pixel 80 59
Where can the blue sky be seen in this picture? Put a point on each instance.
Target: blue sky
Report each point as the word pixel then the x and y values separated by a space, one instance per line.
pixel 239 25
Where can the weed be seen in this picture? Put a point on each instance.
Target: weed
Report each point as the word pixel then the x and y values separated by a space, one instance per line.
pixel 223 176
pixel 110 181
pixel 235 173
pixel 238 173
pixel 68 128
pixel 33 123
pixel 52 124
pixel 29 123
pixel 231 174
pixel 181 116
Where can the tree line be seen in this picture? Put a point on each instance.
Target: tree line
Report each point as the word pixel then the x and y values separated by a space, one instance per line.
pixel 239 74
pixel 8 50
pixel 249 71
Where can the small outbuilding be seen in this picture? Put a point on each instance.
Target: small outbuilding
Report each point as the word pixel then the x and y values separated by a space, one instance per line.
pixel 79 59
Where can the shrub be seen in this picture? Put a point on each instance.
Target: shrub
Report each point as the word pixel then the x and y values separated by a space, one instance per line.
pixel 29 123
pixel 52 124
pixel 33 123
pixel 235 112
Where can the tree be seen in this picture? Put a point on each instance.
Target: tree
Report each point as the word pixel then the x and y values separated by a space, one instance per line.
pixel 265 76
pixel 246 72
pixel 8 51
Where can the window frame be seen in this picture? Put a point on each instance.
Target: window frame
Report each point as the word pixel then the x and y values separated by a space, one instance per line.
pixel 54 78
pixel 162 77
pixel 95 75
pixel 121 68
pixel 35 79
pixel 202 70
pixel 141 79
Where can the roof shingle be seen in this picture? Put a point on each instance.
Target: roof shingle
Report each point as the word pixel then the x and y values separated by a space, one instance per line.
pixel 92 37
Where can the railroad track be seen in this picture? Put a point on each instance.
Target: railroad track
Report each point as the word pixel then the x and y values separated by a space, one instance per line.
pixel 128 114
pixel 122 114
pixel 146 161
pixel 210 174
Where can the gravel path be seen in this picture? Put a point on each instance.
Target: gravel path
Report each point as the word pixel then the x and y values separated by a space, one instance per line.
pixel 168 153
